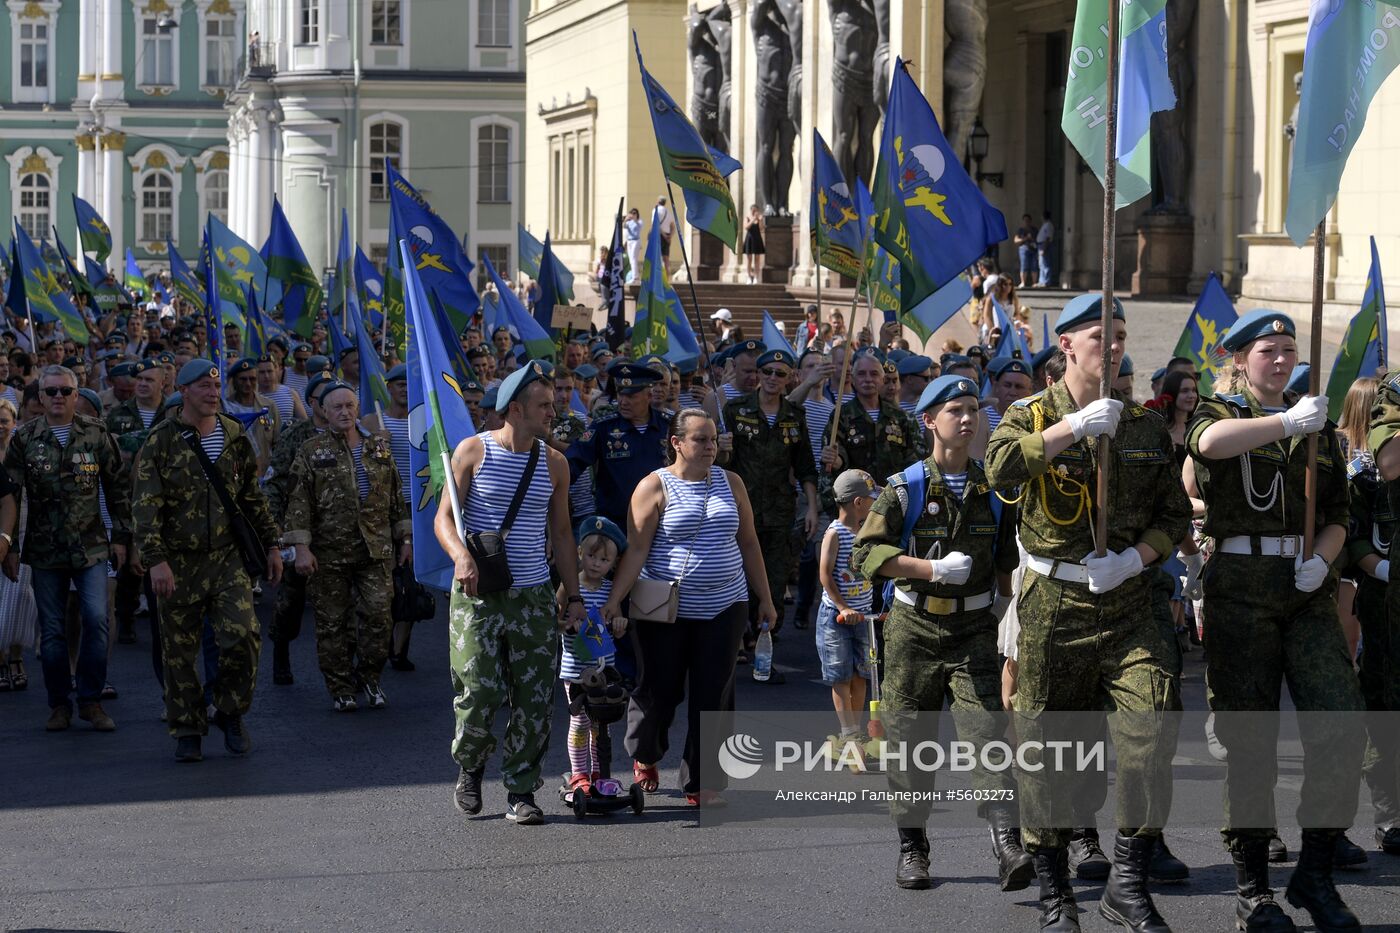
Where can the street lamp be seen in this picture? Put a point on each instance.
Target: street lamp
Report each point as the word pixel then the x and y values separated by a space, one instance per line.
pixel 165 22
pixel 979 142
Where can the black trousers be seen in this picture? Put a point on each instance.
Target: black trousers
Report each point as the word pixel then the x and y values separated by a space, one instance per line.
pixel 693 654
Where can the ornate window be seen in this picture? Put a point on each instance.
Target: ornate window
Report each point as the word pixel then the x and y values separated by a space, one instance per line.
pixel 33 188
pixel 385 142
pixel 211 183
pixel 156 183
pixel 493 164
pixel 493 23
pixel 218 50
pixel 157 208
pixel 32 53
pixel 157 50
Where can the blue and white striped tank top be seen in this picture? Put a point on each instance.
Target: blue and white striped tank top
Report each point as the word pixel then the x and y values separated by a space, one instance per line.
pixel 855 590
pixel 572 666
pixel 296 382
pixel 581 500
pixel 357 454
pixel 282 401
pixel 711 572
pixel 488 499
pixel 398 442
pixel 819 412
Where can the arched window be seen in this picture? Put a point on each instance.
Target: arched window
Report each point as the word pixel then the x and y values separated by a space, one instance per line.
pixel 216 195
pixel 157 207
pixel 35 204
pixel 493 164
pixel 385 142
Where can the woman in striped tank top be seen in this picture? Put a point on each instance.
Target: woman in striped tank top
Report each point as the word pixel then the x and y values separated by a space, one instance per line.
pixel 289 407
pixel 689 522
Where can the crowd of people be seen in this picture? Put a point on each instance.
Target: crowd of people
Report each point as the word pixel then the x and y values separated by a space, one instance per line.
pixel 937 515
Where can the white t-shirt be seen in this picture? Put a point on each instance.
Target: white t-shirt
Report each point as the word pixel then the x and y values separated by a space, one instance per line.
pixel 662 218
pixel 1046 233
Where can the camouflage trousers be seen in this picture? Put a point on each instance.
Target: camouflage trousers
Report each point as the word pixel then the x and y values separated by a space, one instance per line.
pixel 287 611
pixel 351 605
pixel 776 542
pixel 1260 631
pixel 504 648
pixel 216 586
pixel 929 659
pixel 1380 688
pixel 1084 652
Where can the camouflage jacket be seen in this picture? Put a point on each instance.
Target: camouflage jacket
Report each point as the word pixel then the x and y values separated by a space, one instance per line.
pixel 125 424
pixel 768 457
pixel 65 527
pixel 175 510
pixel 881 448
pixel 566 429
pixel 1373 511
pixel 946 523
pixel 1146 502
pixel 1229 510
pixel 278 487
pixel 325 511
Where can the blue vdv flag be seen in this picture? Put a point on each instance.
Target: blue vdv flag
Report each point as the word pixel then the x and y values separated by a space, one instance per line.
pixel 1045 330
pixel 928 212
pixel 1213 315
pixel 531 340
pixel 593 640
pixel 773 338
pixel 1351 49
pixel 549 288
pixel 255 335
pixel 437 254
pixel 938 309
pixel 213 329
pixel 576 403
pixel 371 288
pixel 1363 349
pixel 530 250
pixel 1011 342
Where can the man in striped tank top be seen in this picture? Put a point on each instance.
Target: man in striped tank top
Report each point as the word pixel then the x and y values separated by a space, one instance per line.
pixel 952 580
pixel 504 643
pixel 395 420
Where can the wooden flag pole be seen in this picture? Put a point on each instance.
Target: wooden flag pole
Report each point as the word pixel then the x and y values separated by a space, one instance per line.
pixel 1110 216
pixel 1314 387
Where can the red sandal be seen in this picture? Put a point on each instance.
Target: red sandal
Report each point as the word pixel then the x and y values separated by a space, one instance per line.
pixel 646 776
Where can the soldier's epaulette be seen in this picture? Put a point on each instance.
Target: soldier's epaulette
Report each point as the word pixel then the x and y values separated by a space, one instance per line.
pixel 1392 380
pixel 1136 411
pixel 1025 402
pixel 1237 400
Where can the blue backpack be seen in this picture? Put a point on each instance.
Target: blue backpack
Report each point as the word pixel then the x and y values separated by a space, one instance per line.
pixel 916 481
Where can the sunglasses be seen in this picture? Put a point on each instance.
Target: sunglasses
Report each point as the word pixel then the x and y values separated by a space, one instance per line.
pixel 54 391
pixel 776 373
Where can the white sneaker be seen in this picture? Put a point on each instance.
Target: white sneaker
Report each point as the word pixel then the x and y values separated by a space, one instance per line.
pixel 374 696
pixel 346 704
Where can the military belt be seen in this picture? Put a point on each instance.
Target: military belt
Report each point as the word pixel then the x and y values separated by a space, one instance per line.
pixel 1288 546
pixel 1066 570
pixel 945 605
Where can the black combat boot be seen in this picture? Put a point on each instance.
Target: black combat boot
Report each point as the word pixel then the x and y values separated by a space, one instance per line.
pixel 1058 912
pixel 281 663
pixel 1165 866
pixel 1311 886
pixel 466 796
pixel 1348 855
pixel 1014 868
pixel 912 869
pixel 187 749
pixel 1086 858
pixel 236 738
pixel 1388 838
pixel 1125 899
pixel 1255 909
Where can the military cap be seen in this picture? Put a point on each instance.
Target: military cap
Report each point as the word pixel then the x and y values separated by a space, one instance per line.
pixel 116 335
pixel 144 366
pixel 173 400
pixel 346 351
pixel 913 365
pixel 586 371
pixel 278 341
pixel 470 385
pixel 488 398
pixel 1002 365
pixel 943 389
pixel 599 350
pixel 1159 374
pixel 891 368
pixel 1084 309
pixel 314 383
pixel 121 369
pixel 500 329
pixel 398 374
pixel 583 338
pixel 598 525
pixel 628 378
pixel 105 355
pixel 245 365
pixel 1261 322
pixel 687 366
pixel 165 358
pixel 869 351
pixel 1299 381
pixel 1043 356
pixel 512 385
pixel 195 370
pixel 230 326
pixel 852 484
pixel 92 399
pixel 897 354
pixel 480 351
pixel 335 385
pixel 777 356
pixel 318 364
pixel 747 346
pixel 1125 368
pixel 71 361
pixel 264 358
pixel 300 347
pixel 949 360
pixel 978 350
pixel 809 350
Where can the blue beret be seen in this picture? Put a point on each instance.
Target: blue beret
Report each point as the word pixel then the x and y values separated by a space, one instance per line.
pixel 1084 309
pixel 92 400
pixel 978 350
pixel 1261 322
pixel 470 385
pixel 502 329
pixel 346 351
pixel 777 356
pixel 116 335
pixel 1125 368
pixel 722 357
pixel 121 369
pixel 479 351
pixel 688 365
pixel 165 358
pixel 245 365
pixel 315 382
pixel 943 389
pixel 582 338
pixel 586 371
pixel 875 352
pixel 398 374
pixel 653 362
pixel 335 385
pixel 488 399
pixel 1299 381
pixel 144 366
pixel 511 386
pixel 318 364
pixel 955 359
pixel 747 346
pixel 278 341
pixel 71 361
pixel 810 350
pixel 1043 356
pixel 1159 374
pixel 913 365
pixel 173 400
pixel 898 354
pixel 105 355
pixel 1008 364
pixel 300 347
pixel 628 378
pixel 597 525
pixel 600 350
pixel 195 370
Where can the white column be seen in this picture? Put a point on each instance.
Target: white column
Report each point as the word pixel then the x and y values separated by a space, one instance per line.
pixel 113 181
pixel 110 64
pixel 87 37
pixel 87 170
pixel 257 188
pixel 239 168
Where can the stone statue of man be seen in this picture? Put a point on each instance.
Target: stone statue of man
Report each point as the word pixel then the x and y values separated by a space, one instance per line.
pixel 705 78
pixel 1171 129
pixel 722 29
pixel 774 131
pixel 964 68
pixel 854 114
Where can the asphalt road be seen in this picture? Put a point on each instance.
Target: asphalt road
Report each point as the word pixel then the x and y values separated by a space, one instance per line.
pixel 345 822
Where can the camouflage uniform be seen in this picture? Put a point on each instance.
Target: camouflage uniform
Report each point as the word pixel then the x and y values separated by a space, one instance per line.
pixel 353 541
pixel 129 430
pixel 1084 651
pixel 179 519
pixel 287 612
pixel 881 448
pixel 768 458
pixel 940 651
pixel 1259 629
pixel 1380 613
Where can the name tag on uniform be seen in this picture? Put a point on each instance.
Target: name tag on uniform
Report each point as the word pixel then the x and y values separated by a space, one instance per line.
pixel 937 531
pixel 322 459
pixel 1144 455
pixel 1070 453
pixel 1271 454
pixel 982 529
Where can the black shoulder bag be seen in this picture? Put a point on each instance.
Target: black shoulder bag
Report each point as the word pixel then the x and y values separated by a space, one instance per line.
pixel 488 548
pixel 250 546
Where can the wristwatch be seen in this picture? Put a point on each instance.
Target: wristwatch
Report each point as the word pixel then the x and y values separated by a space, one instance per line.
pixel 573 599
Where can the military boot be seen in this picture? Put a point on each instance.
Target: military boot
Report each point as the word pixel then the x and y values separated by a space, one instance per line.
pixel 281 663
pixel 1255 909
pixel 1388 838
pixel 1311 886
pixel 1165 866
pixel 912 869
pixel 1348 855
pixel 1014 868
pixel 1086 858
pixel 1058 911
pixel 1125 899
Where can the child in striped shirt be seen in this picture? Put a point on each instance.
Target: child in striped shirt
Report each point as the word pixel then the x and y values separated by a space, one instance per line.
pixel 600 542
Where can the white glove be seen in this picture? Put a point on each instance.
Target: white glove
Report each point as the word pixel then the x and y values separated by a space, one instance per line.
pixel 1307 416
pixel 1308 575
pixel 1382 571
pixel 953 569
pixel 1191 583
pixel 1000 604
pixel 1113 569
pixel 1098 417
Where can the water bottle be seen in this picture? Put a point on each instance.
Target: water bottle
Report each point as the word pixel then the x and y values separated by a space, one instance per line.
pixel 763 655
